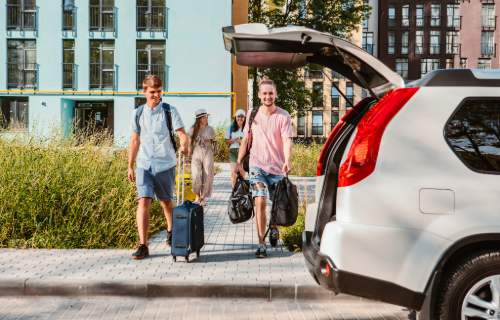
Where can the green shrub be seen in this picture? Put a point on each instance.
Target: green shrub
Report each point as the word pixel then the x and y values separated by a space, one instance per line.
pixel 305 159
pixel 67 192
pixel 292 236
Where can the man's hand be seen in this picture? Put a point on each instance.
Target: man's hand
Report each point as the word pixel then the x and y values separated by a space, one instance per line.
pixel 287 167
pixel 237 168
pixel 131 175
pixel 183 150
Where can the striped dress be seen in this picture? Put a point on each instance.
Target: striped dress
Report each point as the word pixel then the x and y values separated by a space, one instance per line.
pixel 202 162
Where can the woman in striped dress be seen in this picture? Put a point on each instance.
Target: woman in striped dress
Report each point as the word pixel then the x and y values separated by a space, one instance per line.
pixel 201 138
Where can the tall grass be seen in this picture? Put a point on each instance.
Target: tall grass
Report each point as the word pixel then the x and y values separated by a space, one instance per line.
pixel 60 191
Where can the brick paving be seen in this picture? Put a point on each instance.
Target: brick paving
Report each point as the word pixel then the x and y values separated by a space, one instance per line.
pixel 228 254
pixel 192 309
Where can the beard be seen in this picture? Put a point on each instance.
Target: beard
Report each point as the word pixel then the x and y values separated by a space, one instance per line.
pixel 268 103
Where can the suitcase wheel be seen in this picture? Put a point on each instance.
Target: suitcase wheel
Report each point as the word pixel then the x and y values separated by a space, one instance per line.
pixel 187 258
pixel 198 254
pixel 174 258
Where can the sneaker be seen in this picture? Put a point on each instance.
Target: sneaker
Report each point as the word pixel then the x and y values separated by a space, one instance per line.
pixel 141 253
pixel 274 236
pixel 262 251
pixel 169 239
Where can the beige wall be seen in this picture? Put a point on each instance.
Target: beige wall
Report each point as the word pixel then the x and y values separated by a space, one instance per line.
pixel 240 74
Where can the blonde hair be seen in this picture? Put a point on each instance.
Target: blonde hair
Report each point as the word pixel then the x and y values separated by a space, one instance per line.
pixel 266 80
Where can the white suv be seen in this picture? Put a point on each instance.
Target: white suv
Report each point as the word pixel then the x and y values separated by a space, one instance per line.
pixel 408 190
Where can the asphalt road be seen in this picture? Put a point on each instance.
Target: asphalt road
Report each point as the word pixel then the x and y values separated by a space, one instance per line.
pixel 56 308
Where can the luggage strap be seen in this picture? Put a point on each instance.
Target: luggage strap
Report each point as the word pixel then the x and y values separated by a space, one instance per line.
pixel 252 119
pixel 168 120
pixel 273 208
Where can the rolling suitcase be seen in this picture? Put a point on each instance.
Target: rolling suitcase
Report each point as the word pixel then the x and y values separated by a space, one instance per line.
pixel 187 225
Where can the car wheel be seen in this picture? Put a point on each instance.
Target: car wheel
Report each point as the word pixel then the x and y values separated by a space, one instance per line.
pixel 471 290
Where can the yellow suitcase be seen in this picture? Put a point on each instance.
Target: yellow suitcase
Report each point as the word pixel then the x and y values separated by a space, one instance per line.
pixel 188 187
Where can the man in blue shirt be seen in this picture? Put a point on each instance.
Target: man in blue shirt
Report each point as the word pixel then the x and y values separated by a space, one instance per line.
pixel 156 159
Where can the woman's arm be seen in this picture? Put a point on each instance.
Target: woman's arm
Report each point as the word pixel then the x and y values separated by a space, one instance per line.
pixel 190 150
pixel 231 141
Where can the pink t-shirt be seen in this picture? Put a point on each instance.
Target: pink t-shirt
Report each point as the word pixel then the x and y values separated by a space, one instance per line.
pixel 268 134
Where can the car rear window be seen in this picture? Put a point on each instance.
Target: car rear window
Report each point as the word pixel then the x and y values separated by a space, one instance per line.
pixel 473 132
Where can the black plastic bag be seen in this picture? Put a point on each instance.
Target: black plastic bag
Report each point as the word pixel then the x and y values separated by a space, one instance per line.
pixel 240 208
pixel 285 207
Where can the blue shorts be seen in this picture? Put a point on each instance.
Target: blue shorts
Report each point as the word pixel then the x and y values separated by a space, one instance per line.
pixel 263 183
pixel 162 184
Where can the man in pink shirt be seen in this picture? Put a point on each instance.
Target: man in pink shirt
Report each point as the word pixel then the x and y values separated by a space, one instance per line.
pixel 270 155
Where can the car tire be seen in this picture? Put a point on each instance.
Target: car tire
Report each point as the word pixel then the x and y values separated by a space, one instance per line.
pixel 471 279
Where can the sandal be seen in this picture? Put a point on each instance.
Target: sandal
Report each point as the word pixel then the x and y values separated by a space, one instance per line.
pixel 202 203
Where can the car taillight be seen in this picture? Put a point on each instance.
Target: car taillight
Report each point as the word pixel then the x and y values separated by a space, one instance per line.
pixel 334 133
pixel 362 156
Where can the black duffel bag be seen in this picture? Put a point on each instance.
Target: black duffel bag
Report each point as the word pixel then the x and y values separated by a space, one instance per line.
pixel 240 208
pixel 285 207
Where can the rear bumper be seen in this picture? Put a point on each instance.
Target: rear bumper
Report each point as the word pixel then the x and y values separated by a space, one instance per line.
pixel 340 281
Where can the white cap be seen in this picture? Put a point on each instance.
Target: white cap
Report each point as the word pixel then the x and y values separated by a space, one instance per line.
pixel 240 112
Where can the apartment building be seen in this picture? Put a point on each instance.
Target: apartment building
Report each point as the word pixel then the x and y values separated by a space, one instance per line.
pixel 86 59
pixel 418 36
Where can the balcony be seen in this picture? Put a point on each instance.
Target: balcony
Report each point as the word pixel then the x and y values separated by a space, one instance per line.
pixel 453 48
pixel 435 21
pixel 405 21
pixel 453 21
pixel 419 21
pixel 21 75
pixel 69 76
pixel 317 129
pixel 419 48
pixel 335 101
pixel 336 75
pixel 21 17
pixel 144 70
pixel 487 49
pixel 101 18
pixel 488 21
pixel 68 18
pixel 434 48
pixel 314 74
pixel 102 76
pixel 368 48
pixel 151 18
pixel 403 74
pixel 301 129
pixel 405 48
pixel 392 22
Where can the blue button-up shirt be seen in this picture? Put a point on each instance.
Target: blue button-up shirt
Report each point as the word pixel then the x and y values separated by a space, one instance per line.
pixel 156 152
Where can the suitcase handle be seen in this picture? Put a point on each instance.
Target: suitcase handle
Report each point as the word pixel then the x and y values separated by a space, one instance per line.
pixel 179 246
pixel 180 217
pixel 179 201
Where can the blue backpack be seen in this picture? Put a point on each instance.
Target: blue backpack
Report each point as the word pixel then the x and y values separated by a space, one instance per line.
pixel 168 118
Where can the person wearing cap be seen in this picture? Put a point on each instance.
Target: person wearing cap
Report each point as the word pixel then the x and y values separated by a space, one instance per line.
pixel 233 135
pixel 201 156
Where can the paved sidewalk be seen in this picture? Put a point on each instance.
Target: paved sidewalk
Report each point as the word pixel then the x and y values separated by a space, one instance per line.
pixel 228 256
pixel 192 309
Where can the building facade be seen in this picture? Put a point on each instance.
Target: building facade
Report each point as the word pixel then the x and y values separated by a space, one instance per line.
pixel 418 36
pixel 77 60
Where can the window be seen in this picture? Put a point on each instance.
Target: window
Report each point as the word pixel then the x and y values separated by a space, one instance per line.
pixel 488 18
pixel 463 63
pixel 473 133
pixel 452 42
pixel 402 68
pixel 484 64
pixel 392 40
pixel 102 64
pixel 405 38
pixel 449 63
pixel 428 65
pixel 453 13
pixel 21 64
pixel 314 74
pixel 335 96
pixel 487 43
pixel 365 21
pixel 337 75
pixel 420 15
pixel 14 114
pixel 435 15
pixel 405 22
pixel 317 125
pixel 102 15
pixel 419 42
pixel 368 42
pixel 318 88
pixel 151 15
pixel 151 60
pixel 301 126
pixel 335 118
pixel 68 15
pixel 364 93
pixel 434 47
pixel 21 15
pixel 69 64
pixel 392 16
pixel 140 102
pixel 349 91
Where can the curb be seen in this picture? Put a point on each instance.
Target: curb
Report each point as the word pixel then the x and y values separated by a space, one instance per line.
pixel 265 291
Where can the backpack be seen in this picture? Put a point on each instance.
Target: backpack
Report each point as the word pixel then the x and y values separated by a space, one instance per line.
pixel 168 119
pixel 240 207
pixel 246 159
pixel 285 208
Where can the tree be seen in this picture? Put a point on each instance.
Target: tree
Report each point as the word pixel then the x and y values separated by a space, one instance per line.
pixel 337 17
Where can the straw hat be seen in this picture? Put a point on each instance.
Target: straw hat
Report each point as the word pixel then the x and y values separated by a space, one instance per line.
pixel 201 113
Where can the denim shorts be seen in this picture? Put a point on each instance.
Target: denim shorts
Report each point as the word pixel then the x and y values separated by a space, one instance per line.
pixel 162 184
pixel 269 181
